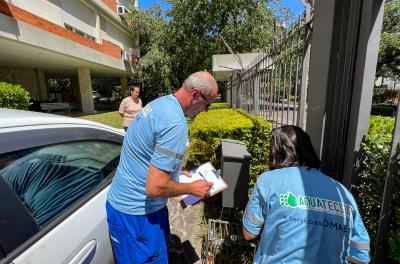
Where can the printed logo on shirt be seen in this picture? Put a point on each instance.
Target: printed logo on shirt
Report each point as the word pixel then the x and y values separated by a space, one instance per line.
pixel 314 203
pixel 146 110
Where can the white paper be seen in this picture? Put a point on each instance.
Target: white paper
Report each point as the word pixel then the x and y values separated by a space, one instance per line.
pixel 204 172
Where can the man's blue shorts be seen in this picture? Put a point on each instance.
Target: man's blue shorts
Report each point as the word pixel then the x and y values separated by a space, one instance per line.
pixel 139 238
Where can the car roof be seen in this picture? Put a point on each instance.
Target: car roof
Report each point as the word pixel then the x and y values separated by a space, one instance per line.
pixel 16 118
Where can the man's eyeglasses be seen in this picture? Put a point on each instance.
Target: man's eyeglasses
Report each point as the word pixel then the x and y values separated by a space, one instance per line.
pixel 205 99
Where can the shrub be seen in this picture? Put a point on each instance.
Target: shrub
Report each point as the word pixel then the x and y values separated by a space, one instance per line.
pixel 13 96
pixel 210 127
pixel 375 151
pixel 219 106
pixel 207 130
pixel 258 145
pixel 383 109
pixel 205 134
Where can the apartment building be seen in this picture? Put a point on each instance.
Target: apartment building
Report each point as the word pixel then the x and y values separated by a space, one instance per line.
pixel 74 39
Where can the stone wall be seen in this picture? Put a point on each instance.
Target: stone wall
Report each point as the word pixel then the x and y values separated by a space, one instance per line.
pixel 30 79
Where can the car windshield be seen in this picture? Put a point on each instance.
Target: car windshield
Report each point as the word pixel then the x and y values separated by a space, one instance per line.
pixel 49 179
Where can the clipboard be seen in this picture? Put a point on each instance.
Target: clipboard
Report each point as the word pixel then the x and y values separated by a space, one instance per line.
pixel 206 172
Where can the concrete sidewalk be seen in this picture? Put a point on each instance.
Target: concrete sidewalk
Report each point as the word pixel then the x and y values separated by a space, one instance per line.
pixel 186 230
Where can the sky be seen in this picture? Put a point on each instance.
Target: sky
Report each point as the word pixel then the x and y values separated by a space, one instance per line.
pixel 294 5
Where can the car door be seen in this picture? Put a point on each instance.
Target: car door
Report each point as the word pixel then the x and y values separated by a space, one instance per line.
pixel 63 187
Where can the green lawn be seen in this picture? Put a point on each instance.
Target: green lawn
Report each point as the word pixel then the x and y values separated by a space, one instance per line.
pixel 110 118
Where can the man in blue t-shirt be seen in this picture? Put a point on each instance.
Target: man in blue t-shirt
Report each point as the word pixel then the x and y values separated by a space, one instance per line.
pixel 300 214
pixel 150 160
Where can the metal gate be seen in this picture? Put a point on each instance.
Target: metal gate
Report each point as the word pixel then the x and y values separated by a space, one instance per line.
pixel 274 84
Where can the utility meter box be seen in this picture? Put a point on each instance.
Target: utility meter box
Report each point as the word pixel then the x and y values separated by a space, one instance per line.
pixel 235 164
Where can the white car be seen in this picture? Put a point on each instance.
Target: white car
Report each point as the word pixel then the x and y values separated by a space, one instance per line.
pixel 54 175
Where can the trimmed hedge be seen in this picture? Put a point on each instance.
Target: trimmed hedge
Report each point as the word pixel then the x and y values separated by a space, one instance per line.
pixel 206 133
pixel 13 96
pixel 383 109
pixel 210 127
pixel 219 106
pixel 374 156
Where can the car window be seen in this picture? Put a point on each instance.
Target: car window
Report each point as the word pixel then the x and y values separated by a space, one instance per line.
pixel 49 179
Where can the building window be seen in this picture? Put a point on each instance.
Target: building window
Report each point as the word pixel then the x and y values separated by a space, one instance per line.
pixel 79 32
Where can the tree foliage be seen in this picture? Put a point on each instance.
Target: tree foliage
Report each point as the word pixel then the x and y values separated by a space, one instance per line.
pixel 389 50
pixel 182 40
pixel 197 26
pixel 155 62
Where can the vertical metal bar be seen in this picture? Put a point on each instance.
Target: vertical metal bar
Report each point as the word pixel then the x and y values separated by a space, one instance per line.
pixel 268 93
pixel 296 108
pixel 262 86
pixel 275 71
pixel 265 84
pixel 392 175
pixel 290 76
pixel 279 81
pixel 262 93
pixel 271 84
pixel 250 94
pixel 284 81
pixel 306 62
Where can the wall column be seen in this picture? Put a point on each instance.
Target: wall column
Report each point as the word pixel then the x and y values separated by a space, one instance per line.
pixel 43 94
pixel 124 85
pixel 85 90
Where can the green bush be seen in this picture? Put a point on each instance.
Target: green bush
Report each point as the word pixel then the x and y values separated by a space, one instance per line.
pixel 258 145
pixel 374 156
pixel 210 127
pixel 383 109
pixel 219 106
pixel 206 132
pixel 13 96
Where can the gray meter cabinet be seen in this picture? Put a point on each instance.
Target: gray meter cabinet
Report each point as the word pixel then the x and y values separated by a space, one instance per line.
pixel 235 164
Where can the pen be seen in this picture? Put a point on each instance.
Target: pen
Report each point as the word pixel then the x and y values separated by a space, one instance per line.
pixel 204 178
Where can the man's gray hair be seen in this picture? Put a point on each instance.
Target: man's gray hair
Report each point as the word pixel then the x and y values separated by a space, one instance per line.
pixel 196 81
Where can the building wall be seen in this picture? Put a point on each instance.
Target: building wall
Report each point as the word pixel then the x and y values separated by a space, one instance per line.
pixel 49 10
pixel 27 78
pixel 79 15
pixel 112 4
pixel 116 36
pixel 53 15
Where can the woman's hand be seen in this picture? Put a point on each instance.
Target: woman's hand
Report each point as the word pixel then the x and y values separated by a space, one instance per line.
pixel 186 172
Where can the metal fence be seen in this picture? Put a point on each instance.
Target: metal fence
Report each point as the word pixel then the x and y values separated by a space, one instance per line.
pixel 274 84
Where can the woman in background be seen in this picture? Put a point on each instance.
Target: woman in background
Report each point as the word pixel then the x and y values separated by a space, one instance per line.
pixel 130 106
pixel 301 214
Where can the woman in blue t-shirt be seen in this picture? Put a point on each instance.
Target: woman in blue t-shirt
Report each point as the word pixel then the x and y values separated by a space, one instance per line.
pixel 300 214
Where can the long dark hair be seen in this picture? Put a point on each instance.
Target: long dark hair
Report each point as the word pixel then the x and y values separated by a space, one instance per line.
pixel 291 146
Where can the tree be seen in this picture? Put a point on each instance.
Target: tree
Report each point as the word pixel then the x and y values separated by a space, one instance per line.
pixel 197 26
pixel 389 50
pixel 182 40
pixel 154 65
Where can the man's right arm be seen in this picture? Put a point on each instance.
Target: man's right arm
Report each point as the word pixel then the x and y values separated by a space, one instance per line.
pixel 159 184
